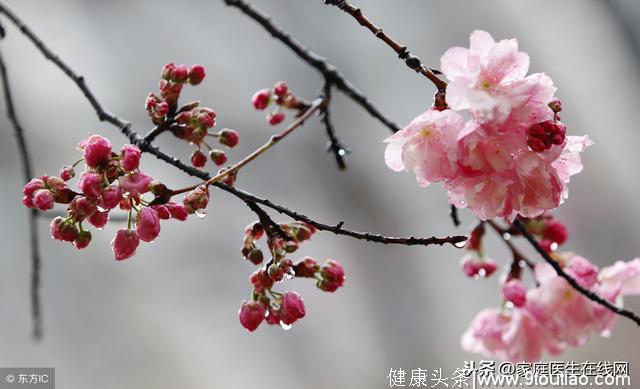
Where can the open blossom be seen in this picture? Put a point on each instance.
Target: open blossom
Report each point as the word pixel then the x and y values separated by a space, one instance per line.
pixel 513 156
pixel 489 80
pixel 427 146
pixel 553 315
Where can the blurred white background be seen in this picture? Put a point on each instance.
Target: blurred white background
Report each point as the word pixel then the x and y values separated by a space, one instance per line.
pixel 168 317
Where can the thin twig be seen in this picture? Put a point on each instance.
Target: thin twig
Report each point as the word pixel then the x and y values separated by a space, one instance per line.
pixel 126 129
pixel 453 213
pixel 409 59
pixel 313 107
pixel 333 145
pixel 585 292
pixel 27 170
pixel 327 70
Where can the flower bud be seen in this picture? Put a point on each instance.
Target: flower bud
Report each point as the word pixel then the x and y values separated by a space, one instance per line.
pixel 31 186
pixel 147 224
pixel 43 199
pixel 196 199
pixel 555 105
pixel 275 118
pixel 135 183
pixel 99 219
pixel 251 314
pixel 179 73
pixel 177 211
pixel 229 138
pixel 332 274
pixel 196 74
pixel 515 292
pixel 111 197
pixel 91 184
pixel 130 157
pixel 62 230
pixel 253 254
pixel 198 159
pixel 261 280
pixel 556 231
pixel 97 150
pixel 280 89
pixel 82 240
pixel 255 230
pixel 218 157
pixel 163 212
pixel 275 272
pixel 67 173
pixel 261 99
pixel 124 244
pixel 306 268
pixel 82 207
pixel 292 307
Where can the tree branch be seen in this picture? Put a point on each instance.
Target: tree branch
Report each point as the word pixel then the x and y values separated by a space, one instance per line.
pixel 585 292
pixel 27 170
pixel 328 71
pixel 409 59
pixel 334 145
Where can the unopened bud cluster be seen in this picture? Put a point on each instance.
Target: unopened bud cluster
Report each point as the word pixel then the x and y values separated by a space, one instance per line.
pixel 281 97
pixel 191 122
pixel 110 180
pixel 282 308
pixel 474 263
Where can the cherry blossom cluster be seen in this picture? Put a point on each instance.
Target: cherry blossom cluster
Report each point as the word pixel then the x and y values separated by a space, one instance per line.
pixel 512 157
pixel 191 122
pixel 267 304
pixel 281 96
pixel 110 180
pixel 550 315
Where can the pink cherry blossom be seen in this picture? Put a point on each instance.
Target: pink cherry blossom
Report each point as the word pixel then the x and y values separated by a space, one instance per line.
pixel 622 276
pixel 489 80
pixel 426 146
pixel 62 230
pixel 513 336
pixel 124 244
pixel 148 224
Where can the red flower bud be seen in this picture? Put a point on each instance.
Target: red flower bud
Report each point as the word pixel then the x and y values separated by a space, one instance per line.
pixel 82 240
pixel 196 74
pixel 198 159
pixel 292 307
pixel 130 157
pixel 124 244
pixel 275 118
pixel 229 138
pixel 99 219
pixel 251 314
pixel 261 99
pixel 218 157
pixel 147 224
pixel 280 89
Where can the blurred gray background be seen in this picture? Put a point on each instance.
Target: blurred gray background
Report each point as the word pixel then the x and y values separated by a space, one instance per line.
pixel 168 317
